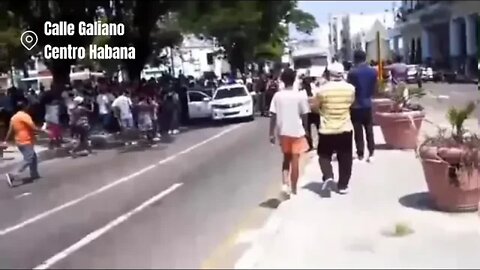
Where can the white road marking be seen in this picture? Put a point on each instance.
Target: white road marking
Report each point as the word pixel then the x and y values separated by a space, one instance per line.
pixel 23 195
pixel 111 185
pixel 109 226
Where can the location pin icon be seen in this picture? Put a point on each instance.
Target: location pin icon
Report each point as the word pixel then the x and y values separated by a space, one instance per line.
pixel 29 39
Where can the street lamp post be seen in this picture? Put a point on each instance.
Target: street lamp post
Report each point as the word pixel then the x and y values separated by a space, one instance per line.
pixel 379 57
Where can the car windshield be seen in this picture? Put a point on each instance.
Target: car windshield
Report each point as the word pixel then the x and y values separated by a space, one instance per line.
pixel 230 92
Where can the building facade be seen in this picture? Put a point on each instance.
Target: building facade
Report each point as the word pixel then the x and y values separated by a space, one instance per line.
pixel 349 32
pixel 443 34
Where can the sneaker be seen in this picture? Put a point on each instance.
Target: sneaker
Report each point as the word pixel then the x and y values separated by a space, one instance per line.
pixel 10 179
pixel 170 132
pixel 285 189
pixel 370 159
pixel 328 184
pixel 175 131
pixel 343 191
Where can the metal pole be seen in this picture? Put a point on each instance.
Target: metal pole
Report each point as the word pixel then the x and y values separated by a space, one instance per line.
pixel 379 57
pixel 172 59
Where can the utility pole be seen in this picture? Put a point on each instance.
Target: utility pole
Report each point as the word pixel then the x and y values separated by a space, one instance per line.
pixel 379 57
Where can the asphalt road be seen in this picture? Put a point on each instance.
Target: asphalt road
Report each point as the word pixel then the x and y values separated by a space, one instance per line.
pixel 441 96
pixel 175 205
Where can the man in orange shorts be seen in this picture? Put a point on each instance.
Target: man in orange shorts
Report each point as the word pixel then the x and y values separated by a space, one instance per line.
pixel 289 109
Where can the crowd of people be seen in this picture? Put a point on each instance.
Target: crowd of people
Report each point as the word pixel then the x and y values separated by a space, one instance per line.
pixel 339 106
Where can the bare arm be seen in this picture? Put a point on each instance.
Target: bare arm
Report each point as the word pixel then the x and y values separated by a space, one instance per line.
pixel 9 133
pixel 305 122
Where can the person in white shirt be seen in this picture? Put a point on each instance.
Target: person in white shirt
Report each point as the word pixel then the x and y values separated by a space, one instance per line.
pixel 52 122
pixel 104 101
pixel 122 107
pixel 289 109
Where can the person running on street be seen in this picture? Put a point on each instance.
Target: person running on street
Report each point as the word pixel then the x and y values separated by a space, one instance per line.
pixel 365 80
pixel 52 121
pixel 104 101
pixel 288 116
pixel 333 100
pixel 122 107
pixel 24 129
pixel 145 121
pixel 81 126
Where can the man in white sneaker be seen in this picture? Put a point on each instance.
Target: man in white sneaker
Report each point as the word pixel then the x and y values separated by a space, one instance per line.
pixel 334 100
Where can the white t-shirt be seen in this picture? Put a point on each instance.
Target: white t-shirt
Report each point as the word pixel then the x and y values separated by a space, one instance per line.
pixel 289 105
pixel 103 100
pixel 123 103
pixel 52 114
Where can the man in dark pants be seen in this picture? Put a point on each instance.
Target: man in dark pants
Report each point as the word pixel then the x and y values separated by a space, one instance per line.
pixel 365 80
pixel 334 100
pixel 313 117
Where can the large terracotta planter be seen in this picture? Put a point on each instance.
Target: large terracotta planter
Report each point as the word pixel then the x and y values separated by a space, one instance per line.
pixel 401 129
pixel 380 105
pixel 446 195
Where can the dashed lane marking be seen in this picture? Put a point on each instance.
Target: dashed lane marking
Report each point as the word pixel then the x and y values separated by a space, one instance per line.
pixel 99 232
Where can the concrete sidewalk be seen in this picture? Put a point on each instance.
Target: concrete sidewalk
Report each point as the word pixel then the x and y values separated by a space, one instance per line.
pixel 386 221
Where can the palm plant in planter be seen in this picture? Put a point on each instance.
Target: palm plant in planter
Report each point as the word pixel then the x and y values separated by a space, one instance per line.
pixel 401 124
pixel 450 163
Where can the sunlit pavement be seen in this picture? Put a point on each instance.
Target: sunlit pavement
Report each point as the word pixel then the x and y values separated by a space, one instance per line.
pixel 386 221
pixel 180 204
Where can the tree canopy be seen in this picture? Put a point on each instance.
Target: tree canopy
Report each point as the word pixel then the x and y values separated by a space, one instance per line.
pixel 247 30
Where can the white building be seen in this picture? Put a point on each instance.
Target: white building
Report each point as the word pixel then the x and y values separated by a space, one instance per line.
pixel 348 32
pixel 196 56
pixel 440 33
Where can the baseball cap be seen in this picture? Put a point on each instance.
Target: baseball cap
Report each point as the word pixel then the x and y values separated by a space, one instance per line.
pixel 78 99
pixel 336 69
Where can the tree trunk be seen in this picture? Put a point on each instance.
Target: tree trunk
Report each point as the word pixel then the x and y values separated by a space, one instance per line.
pixel 237 59
pixel 61 74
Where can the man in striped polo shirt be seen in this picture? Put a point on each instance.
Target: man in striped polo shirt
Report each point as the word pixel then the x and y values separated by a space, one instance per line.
pixel 334 99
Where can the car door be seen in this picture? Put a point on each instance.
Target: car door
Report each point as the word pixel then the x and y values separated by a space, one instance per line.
pixel 198 105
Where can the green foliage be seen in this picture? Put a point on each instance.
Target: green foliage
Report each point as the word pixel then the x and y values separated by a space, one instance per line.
pixel 247 30
pixel 456 117
pixel 402 95
pixel 303 21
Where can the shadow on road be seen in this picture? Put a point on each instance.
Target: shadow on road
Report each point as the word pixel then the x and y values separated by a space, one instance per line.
pixel 140 147
pixel 318 189
pixel 274 203
pixel 419 201
pixel 383 146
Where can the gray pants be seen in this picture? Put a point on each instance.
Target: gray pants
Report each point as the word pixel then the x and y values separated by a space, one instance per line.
pixel 29 160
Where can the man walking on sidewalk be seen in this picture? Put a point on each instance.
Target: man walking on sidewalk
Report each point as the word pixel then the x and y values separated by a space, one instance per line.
pixel 24 130
pixel 289 109
pixel 334 99
pixel 365 80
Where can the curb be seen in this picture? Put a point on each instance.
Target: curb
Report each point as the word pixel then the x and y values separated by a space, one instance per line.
pixel 251 257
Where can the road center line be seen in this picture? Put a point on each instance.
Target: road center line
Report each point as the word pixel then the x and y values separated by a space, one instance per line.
pixel 112 184
pixel 109 226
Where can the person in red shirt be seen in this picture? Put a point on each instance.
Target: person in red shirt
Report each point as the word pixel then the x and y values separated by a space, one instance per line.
pixel 24 129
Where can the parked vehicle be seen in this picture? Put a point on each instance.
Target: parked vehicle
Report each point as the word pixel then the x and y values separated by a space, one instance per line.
pixel 412 71
pixel 199 105
pixel 232 101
